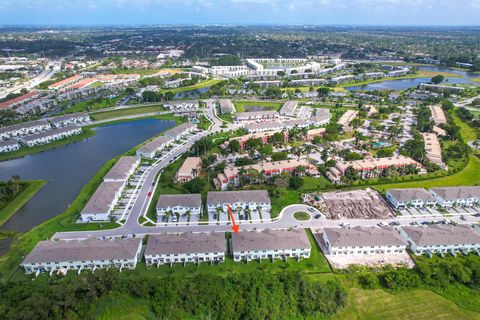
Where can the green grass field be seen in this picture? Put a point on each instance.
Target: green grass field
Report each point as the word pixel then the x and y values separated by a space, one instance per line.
pixel 121 307
pixel 241 104
pixel 475 79
pixel 412 304
pixel 126 112
pixel 21 199
pixel 201 84
pixel 92 104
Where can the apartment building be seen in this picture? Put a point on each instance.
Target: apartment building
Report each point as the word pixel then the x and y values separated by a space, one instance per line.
pixel 67 120
pixel 91 254
pixel 9 146
pixel 185 248
pixel 151 148
pixel 346 119
pixel 457 196
pixel 410 197
pixel 122 169
pixel 24 129
pixel 270 244
pixel 264 137
pixel 256 116
pixel 102 203
pixel 180 131
pixel 179 203
pixel 288 108
pixel 247 199
pixel 433 148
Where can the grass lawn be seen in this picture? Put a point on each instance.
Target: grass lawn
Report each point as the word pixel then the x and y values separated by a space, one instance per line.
pixel 302 216
pixel 315 88
pixel 204 123
pixel 475 79
pixel 117 307
pixel 268 105
pixel 412 304
pixel 32 187
pixel 468 133
pixel 92 104
pixel 433 73
pixel 23 151
pixel 126 112
pixel 201 84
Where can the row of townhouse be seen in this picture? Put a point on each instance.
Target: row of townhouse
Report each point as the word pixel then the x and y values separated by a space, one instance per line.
pixel 161 249
pixel 182 106
pixel 9 146
pixel 440 88
pixel 438 115
pixel 153 147
pixel 319 119
pixel 263 137
pixel 433 149
pixel 367 241
pixel 443 197
pixel 50 135
pixel 230 177
pixel 256 116
pixel 216 200
pixel 372 167
pixel 21 100
pixel 346 119
pixel 103 201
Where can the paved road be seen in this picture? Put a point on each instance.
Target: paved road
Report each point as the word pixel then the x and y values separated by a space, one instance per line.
pixel 285 220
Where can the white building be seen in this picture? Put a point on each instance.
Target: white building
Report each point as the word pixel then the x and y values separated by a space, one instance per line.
pixel 182 106
pixel 9 146
pixel 179 203
pixel 66 120
pixel 256 116
pixel 247 199
pixel 362 241
pixel 24 129
pixel 288 108
pixel 456 196
pixel 91 254
pixel 185 248
pixel 103 201
pixel 410 197
pixel 51 135
pixel 122 169
pixel 441 239
pixel 270 244
pixel 180 131
pixel 151 148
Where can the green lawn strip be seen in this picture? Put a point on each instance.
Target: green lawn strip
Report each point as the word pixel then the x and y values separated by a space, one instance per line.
pixel 199 85
pixel 241 104
pixel 475 79
pixel 302 216
pixel 467 132
pixel 169 116
pixel 204 123
pixel 23 151
pixel 32 187
pixel 411 304
pixel 126 112
pixel 92 104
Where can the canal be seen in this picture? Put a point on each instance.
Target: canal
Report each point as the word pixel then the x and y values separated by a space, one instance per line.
pixel 68 168
pixel 402 84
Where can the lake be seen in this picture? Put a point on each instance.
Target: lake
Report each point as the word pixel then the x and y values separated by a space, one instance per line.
pixel 68 168
pixel 402 84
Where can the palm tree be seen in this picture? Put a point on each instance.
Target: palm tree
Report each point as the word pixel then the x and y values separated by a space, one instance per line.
pixel 194 172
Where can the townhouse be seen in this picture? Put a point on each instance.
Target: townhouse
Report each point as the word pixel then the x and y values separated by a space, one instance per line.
pixel 264 137
pixel 270 244
pixel 21 100
pixel 182 106
pixel 64 83
pixel 441 238
pixel 91 254
pixel 346 119
pixel 256 116
pixel 69 119
pixel 361 241
pixel 288 108
pixel 122 169
pixel 231 175
pixel 103 202
pixel 179 131
pixel 440 88
pixel 438 115
pixel 24 129
pixel 185 248
pixel 246 199
pixel 372 167
pixel 50 136
pixel 312 133
pixel 151 148
pixel 179 203
pixel 189 170
pixel 457 196
pixel 410 197
pixel 9 146
pixel 433 148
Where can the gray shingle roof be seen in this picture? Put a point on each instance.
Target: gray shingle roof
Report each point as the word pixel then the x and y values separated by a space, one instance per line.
pixel 79 250
pixel 178 130
pixel 102 198
pixel 68 117
pixel 404 195
pixel 220 197
pixel 50 133
pixel 270 240
pixel 24 125
pixel 183 200
pixel 186 243
pixel 154 145
pixel 363 236
pixel 442 235
pixel 454 193
pixel 121 168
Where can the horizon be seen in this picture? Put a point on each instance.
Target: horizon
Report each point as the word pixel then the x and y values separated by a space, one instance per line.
pixel 240 12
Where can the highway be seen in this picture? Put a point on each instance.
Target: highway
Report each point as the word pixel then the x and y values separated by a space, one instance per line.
pixel 285 220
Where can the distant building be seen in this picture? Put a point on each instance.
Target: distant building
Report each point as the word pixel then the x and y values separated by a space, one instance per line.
pixel 91 254
pixel 50 136
pixel 179 203
pixel 288 108
pixel 438 115
pixel 9 146
pixel 410 197
pixel 185 248
pixel 21 100
pixel 346 119
pixel 67 120
pixel 440 88
pixel 441 239
pixel 433 149
pixel 362 241
pixel 226 106
pixel 256 116
pixel 24 129
pixel 270 244
pixel 319 132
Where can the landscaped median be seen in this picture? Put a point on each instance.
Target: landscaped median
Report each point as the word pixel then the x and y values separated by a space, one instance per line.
pixel 30 188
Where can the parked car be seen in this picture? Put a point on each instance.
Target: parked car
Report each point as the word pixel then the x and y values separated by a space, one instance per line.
pixel 414 223
pixel 311 209
pixel 317 216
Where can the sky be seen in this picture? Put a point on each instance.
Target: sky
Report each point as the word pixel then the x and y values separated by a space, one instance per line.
pixel 319 12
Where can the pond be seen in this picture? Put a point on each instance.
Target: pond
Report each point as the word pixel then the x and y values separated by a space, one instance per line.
pixel 68 168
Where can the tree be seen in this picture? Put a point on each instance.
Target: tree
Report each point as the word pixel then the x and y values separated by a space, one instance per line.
pixel 437 79
pixel 351 174
pixel 278 156
pixel 195 185
pixel 234 146
pixel 323 91
pixel 295 182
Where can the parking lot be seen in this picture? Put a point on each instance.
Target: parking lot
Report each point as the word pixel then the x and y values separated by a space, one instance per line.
pixel 419 212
